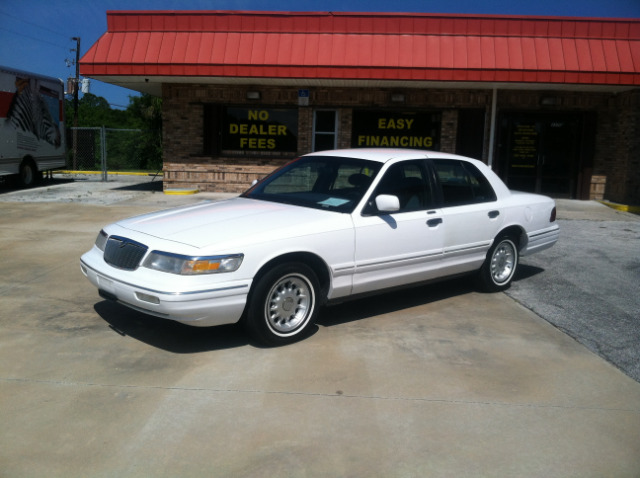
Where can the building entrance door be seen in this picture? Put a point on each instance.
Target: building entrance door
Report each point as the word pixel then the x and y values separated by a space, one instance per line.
pixel 541 152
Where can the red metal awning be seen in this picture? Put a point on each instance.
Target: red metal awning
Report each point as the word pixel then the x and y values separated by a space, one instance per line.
pixel 365 46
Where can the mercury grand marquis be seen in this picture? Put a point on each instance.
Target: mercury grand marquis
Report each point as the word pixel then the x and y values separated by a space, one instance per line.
pixel 325 227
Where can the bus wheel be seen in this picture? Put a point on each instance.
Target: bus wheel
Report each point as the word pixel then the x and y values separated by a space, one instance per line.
pixel 28 173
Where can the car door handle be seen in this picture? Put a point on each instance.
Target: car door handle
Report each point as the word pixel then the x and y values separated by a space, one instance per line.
pixel 494 214
pixel 434 222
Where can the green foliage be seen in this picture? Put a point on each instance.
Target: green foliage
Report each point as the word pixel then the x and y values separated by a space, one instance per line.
pixel 147 110
pixel 126 150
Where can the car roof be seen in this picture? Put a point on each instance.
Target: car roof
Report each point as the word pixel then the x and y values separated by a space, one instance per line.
pixel 383 155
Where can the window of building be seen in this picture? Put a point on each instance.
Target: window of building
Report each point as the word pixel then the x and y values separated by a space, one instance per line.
pixel 244 131
pixel 396 129
pixel 211 115
pixel 325 130
pixel 259 131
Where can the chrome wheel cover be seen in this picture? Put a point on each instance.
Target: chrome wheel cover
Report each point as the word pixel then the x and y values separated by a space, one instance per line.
pixel 289 304
pixel 503 262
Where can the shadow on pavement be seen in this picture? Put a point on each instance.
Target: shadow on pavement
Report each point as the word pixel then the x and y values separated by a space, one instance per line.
pixel 526 271
pixel 184 339
pixel 393 301
pixel 9 184
pixel 153 185
pixel 167 334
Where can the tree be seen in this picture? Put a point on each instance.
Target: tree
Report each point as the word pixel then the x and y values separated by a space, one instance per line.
pixel 147 110
pixel 132 151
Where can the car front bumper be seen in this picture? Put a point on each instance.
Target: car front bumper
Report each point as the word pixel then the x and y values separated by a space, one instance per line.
pixel 222 303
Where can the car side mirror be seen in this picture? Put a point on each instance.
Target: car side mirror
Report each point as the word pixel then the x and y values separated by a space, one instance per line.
pixel 387 203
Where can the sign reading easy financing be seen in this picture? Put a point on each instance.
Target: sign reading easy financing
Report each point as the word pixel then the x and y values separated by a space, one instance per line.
pixel 394 129
pixel 260 130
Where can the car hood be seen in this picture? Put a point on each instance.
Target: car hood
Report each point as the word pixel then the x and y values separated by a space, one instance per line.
pixel 235 221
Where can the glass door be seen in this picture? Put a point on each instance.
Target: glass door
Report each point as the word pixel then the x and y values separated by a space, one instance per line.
pixel 540 153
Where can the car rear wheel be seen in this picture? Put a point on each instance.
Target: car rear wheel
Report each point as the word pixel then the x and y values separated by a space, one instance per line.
pixel 500 266
pixel 283 304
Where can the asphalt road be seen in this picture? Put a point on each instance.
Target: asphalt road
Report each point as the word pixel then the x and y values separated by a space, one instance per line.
pixel 590 288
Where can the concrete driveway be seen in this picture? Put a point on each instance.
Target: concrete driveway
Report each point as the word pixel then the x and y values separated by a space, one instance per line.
pixel 432 381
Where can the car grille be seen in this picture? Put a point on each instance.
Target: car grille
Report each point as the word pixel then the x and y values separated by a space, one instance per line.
pixel 124 253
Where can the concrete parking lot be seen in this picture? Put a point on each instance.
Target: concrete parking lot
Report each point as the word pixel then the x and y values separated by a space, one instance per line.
pixel 430 381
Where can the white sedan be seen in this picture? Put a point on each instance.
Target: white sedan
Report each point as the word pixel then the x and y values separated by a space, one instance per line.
pixel 327 226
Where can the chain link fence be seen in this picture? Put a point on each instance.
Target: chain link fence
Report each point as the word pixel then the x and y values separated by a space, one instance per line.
pixel 110 149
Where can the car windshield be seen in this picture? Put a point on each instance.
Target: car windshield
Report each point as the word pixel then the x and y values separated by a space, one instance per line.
pixel 320 182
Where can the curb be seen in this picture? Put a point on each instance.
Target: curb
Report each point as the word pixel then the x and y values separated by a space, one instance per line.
pixel 115 173
pixel 180 192
pixel 621 207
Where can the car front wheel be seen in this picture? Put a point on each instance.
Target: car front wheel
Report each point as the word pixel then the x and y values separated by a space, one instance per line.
pixel 500 266
pixel 283 304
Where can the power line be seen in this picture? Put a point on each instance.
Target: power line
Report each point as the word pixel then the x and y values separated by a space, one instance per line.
pixel 32 24
pixel 33 38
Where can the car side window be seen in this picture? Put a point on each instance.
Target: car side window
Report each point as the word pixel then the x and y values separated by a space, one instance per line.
pixel 409 182
pixel 462 183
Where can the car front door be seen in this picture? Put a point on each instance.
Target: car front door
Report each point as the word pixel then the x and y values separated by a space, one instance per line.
pixel 403 246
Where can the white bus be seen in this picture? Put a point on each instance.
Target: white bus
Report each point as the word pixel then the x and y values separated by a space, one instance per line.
pixel 32 131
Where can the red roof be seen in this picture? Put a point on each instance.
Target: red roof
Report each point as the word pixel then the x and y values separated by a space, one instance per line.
pixel 389 46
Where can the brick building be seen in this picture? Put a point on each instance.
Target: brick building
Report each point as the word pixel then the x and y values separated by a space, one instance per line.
pixel 552 104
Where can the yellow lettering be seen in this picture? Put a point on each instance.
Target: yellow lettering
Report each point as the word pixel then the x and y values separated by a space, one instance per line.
pixel 233 128
pixel 391 123
pixel 282 130
pixel 262 115
pixel 396 141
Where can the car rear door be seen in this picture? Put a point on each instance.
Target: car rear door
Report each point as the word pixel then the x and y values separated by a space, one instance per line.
pixel 471 214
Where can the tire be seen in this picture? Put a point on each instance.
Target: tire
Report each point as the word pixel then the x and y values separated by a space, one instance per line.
pixel 28 174
pixel 500 266
pixel 283 304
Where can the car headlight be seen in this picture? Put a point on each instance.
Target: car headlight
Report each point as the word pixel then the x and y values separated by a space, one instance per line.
pixel 101 240
pixel 188 265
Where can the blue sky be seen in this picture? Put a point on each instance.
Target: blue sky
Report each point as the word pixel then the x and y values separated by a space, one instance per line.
pixel 35 35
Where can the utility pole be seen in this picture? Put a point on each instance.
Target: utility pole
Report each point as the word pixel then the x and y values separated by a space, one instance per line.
pixel 75 104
